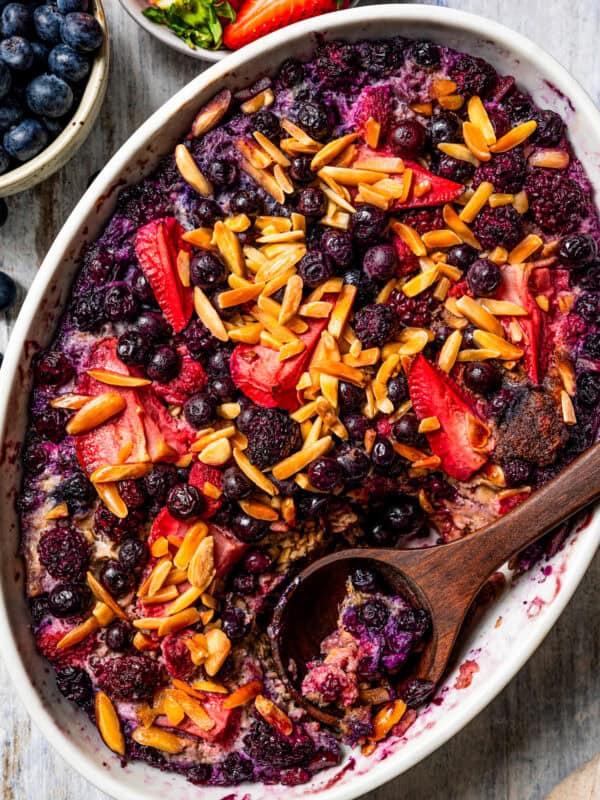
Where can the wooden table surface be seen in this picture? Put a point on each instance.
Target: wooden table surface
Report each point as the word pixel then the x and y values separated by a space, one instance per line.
pixel 547 722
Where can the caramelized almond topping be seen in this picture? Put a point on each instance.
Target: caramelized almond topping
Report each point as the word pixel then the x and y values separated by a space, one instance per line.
pixel 212 113
pixel 159 739
pixel 514 137
pixel 109 724
pixel 94 412
pixel 272 714
pixel 298 461
pixel 190 172
pixel 243 695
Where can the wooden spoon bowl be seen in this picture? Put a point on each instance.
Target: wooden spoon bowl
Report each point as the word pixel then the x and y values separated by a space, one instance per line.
pixel 444 580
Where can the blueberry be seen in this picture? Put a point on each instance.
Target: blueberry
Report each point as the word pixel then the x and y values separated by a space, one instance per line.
pixel 222 389
pixel 133 554
pixel 425 54
pixel 68 599
pixel 247 528
pixel 199 410
pixel 16 53
pixel 355 463
pixel 68 6
pixel 47 21
pixel 325 474
pixel 380 262
pixel 120 303
pixel 75 684
pixel 406 430
pixel 383 453
pixel 222 173
pixel 481 376
pixel 444 127
pixel 338 246
pixel 115 578
pixel 351 397
pixel 153 326
pixel 374 614
pixel 15 20
pixel 207 270
pixel 462 255
pixel 26 140
pixel 53 368
pixel 364 579
pixel 81 31
pixel 398 390
pixel 185 502
pixel 311 202
pixel 235 485
pixel 5 80
pixel 50 96
pixel 453 169
pixel 368 223
pixel 291 72
pixel 207 212
pixel 256 562
pixel 402 516
pixel 267 123
pixel 11 113
pixel 245 202
pixel 484 277
pixel 408 139
pixel 68 64
pixel 118 636
pixel 235 623
pixel 550 128
pixel 40 56
pixel 357 426
pixel 300 170
pixel 4 166
pixel 315 268
pixel 577 249
pixel 163 365
pixel 132 348
pixel 314 120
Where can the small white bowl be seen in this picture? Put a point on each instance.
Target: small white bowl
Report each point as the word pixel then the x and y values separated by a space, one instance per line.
pixel 58 152
pixel 135 8
pixel 508 630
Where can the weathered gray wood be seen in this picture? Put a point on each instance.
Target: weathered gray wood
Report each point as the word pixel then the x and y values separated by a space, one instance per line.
pixel 547 722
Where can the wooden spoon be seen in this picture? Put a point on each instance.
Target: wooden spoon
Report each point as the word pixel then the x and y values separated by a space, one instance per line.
pixel 444 579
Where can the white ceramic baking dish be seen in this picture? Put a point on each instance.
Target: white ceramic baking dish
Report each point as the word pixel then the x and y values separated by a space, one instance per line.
pixel 509 630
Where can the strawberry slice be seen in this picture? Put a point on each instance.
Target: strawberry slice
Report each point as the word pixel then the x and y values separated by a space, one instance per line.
pixel 374 102
pixel 407 260
pixel 257 371
pixel 462 439
pixel 106 444
pixel 442 190
pixel 256 18
pixel 204 473
pixel 157 245
pixel 228 549
pixel 191 379
pixel 167 437
pixel 222 717
pixel 515 288
pixel 166 525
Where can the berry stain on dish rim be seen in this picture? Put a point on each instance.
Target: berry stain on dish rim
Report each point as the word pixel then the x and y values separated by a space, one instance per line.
pixel 376 330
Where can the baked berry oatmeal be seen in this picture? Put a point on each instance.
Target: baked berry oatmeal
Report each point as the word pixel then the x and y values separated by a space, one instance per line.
pixel 357 304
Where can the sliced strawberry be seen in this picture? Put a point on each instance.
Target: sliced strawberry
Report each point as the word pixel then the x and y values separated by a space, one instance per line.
pixel 157 245
pixel 515 288
pixel 166 525
pixel 407 260
pixel 204 473
pixel 223 718
pixel 177 655
pixel 191 379
pixel 374 102
pixel 442 190
pixel 462 439
pixel 257 371
pixel 228 549
pixel 106 444
pixel 257 18
pixel 167 437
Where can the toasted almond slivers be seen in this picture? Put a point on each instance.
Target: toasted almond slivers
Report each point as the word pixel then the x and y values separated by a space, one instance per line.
pixel 265 180
pixel 301 459
pixel 479 117
pixel 502 308
pixel 442 238
pixel 477 314
pixel 521 202
pixel 216 453
pixel 366 194
pixel 208 315
pixel 108 723
pixel 259 510
pixel 117 379
pixel 190 172
pixel 230 248
pixel 515 331
pixel 60 511
pixel 550 159
pixel 247 334
pixel 243 695
pixel 514 137
pixel 543 302
pixel 239 223
pixel 500 199
pixel 253 473
pixel 480 197
pixel 317 310
pixel 101 594
pixel 291 349
pixel 568 410
pixel 201 569
pixel 440 87
pixel 426 109
pixel 350 176
pixel 212 113
pixel 387 164
pixel 331 151
pixel 96 411
pixel 120 472
pixel 456 224
pixel 337 199
pixel 567 376
pixel 73 402
pixel 209 436
pixel 340 370
pixel 458 151
pixel 526 248
pixel 477 355
pixel 110 496
pixel 386 718
pixel 499 255
pixel 263 99
pixel 451 102
pixel 271 149
pixel 366 358
pixel 410 341
pixel 272 714
pixel 219 648
pixel 487 340
pixel 441 290
pixel 421 282
pixel 194 709
pixel 190 616
pixel 429 424
pixel 450 271
pixel 449 351
pixel 188 547
pixel 341 312
pixel 78 633
pixel 410 237
pixel 104 616
pixel 159 739
pixel 165 595
pixel 475 141
pixel 372 132
pixel 236 297
pixel 292 298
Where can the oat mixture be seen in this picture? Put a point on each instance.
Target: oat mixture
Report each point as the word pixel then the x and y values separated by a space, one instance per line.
pixel 358 304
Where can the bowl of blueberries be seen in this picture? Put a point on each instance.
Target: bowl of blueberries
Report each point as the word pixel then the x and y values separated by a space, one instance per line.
pixel 54 57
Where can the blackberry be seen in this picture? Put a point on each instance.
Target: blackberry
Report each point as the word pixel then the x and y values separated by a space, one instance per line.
pixel 550 128
pixel 588 307
pixel 129 677
pixel 506 171
pixel 424 219
pixel 272 436
pixel 314 120
pixel 132 493
pixel 38 607
pixel 516 472
pixel 425 54
pixel 375 324
pixel 413 311
pixel 158 482
pixel 185 502
pixel 199 340
pixel 336 62
pixel 556 203
pixel 75 684
pixel 265 745
pixel 498 227
pixel 267 123
pixel 374 614
pixel 591 345
pixel 473 75
pixel 365 286
pixel 500 121
pixel 65 553
pixel 52 369
pixel 236 769
pixel 415 691
pixel 69 599
pixel 257 562
pixel 199 774
pixel 588 388
pixel 244 584
pixel 416 621
pixel 113 527
pixel 453 169
pixel 315 268
pixel 77 492
pixel 367 223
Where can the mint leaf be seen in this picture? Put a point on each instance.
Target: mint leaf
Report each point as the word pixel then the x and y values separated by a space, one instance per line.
pixel 196 22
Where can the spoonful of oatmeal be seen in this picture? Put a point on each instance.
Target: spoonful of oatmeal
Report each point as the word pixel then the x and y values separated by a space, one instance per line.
pixel 367 628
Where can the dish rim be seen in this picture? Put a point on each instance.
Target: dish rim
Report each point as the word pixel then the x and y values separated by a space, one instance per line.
pixel 65 743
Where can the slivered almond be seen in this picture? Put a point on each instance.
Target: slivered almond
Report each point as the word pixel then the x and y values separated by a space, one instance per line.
pixel 143 643
pixel 366 358
pixel 188 547
pixel 271 149
pixel 490 341
pixel 449 352
pixel 236 297
pixel 190 172
pixel 440 87
pixel 499 255
pixel 298 461
pixel 291 349
pixel 550 158
pixel 100 593
pixel 306 412
pixel 382 401
pixel 209 436
pixel 387 164
pixel 116 379
pixel 284 236
pixel 316 310
pixel 210 490
pixel 367 194
pixel 282 333
pixel 201 569
pixel 104 616
pixel 340 370
pixel 229 410
pixel 159 739
pixel 410 237
pixel 383 296
pixel 477 355
pixel 272 714
pixel 388 368
pixel 332 150
pixel 159 575
pixel 451 102
pixel 296 148
pixel 480 197
pixel 479 117
pixel 95 411
pixel 108 723
pixel 183 267
pixel 297 132
pixel 526 248
pixel 390 188
pixel 216 453
pixel 280 224
pixel 194 710
pixel 208 315
pixel 521 202
pixel 372 132
pixel 442 238
pixel 337 198
pixel 243 695
pixel 311 432
pixel 78 633
pixel 407 178
pixel 282 179
pixel 253 473
pixel 164 595
pixel 212 113
pixel 120 472
pixel 543 302
pixel 515 331
pixel 268 340
pixel 477 314
pixel 475 141
pixel 456 224
pixel 255 154
pixel 110 496
pixel 219 648
pixel 441 290
pixel 259 510
pixel 239 223
pixel 449 271
pixel 501 199
pixel 349 176
pixel 420 282
pixel 73 402
pixel 502 308
pixel 265 180
pixel 409 342
pixel 514 137
pixel 429 424
pixel 200 237
pixel 341 312
pixel 291 299
pixel 263 99
pixel 567 376
pixel 568 410
pixel 60 511
pixel 190 616
pixel 426 109
pixel 230 248
pixel 458 151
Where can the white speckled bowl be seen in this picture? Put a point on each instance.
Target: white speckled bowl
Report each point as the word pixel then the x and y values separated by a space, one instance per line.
pixel 135 8
pixel 509 629
pixel 66 144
